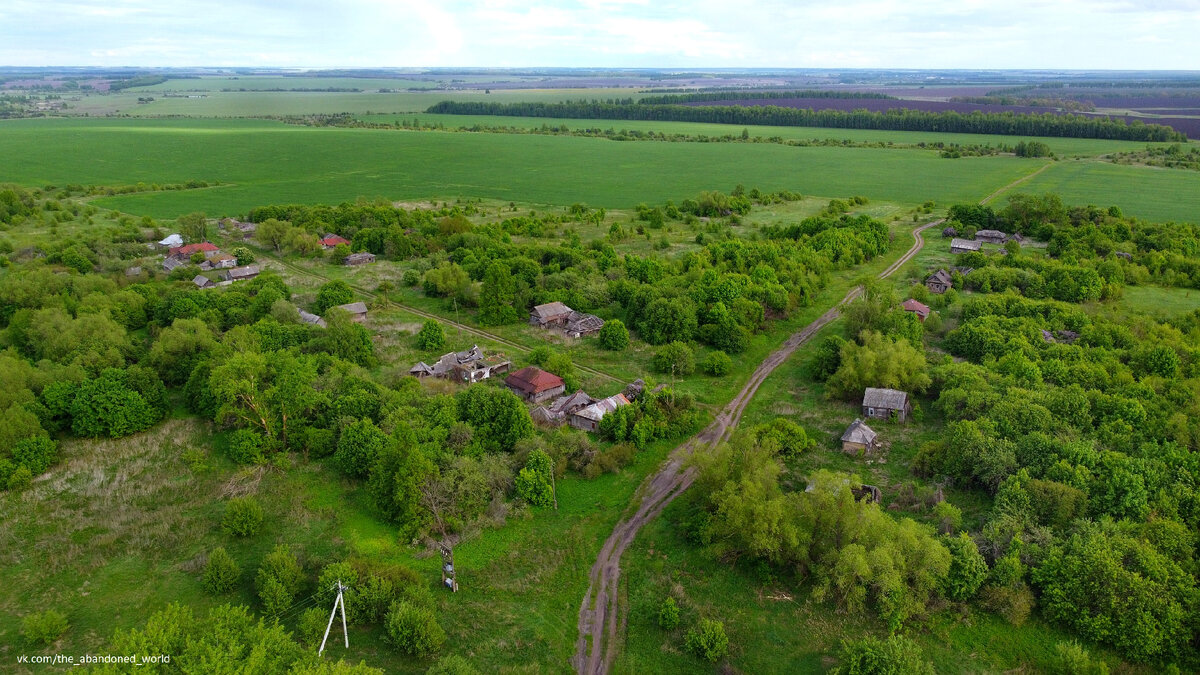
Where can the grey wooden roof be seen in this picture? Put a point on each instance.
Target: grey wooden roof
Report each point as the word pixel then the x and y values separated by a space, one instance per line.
pixel 551 309
pixel 995 234
pixel 599 409
pixel 354 307
pixel 889 399
pixel 940 276
pixel 966 243
pixel 859 432
pixel 310 318
pixel 579 321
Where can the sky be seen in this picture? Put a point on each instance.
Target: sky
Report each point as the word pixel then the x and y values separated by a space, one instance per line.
pixel 973 34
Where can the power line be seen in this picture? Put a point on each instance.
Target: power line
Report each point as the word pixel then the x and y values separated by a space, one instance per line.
pixel 339 601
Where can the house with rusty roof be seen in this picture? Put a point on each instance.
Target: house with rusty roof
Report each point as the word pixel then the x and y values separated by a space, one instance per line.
pixel 186 251
pixel 534 384
pixel 915 307
pixel 881 404
pixel 332 240
pixel 588 417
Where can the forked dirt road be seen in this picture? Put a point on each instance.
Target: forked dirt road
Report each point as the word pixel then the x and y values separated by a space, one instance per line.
pixel 599 615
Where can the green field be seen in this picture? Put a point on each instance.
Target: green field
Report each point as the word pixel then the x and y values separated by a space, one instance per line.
pixel 275 163
pixel 1147 192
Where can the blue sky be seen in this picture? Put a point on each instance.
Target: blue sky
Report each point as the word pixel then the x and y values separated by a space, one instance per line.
pixel 1094 34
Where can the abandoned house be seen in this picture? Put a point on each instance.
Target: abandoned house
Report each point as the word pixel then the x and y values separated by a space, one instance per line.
pixel 880 404
pixel 939 282
pixel 534 384
pixel 859 438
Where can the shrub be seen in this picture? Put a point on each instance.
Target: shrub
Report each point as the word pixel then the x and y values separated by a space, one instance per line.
pixel 871 656
pixel 330 576
pixel 245 446
pixel 359 445
pixel 413 630
pixel 1070 658
pixel 36 452
pixel 668 614
pixel 614 335
pixel 675 358
pixel 311 625
pixel 534 480
pixel 968 569
pixel 243 517
pixel 707 640
pixel 20 478
pixel 275 598
pixel 43 628
pixel 410 278
pixel 244 255
pixel 717 363
pixel 221 572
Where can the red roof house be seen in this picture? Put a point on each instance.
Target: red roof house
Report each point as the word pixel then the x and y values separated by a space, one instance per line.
pixel 534 384
pixel 920 309
pixel 203 247
pixel 332 240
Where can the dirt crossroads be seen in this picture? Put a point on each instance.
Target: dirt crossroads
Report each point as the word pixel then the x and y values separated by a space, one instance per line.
pixel 601 619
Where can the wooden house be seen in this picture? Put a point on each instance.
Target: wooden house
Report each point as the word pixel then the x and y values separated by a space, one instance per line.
pixel 332 240
pixel 534 384
pixel 310 319
pixel 881 404
pixel 991 236
pixel 549 314
pixel 958 246
pixel 241 273
pixel 202 281
pixel 356 310
pixel 919 308
pixel 859 438
pixel 939 282
pixel 580 324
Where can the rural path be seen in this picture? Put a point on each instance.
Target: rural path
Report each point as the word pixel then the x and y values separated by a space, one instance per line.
pixel 1015 183
pixel 600 613
pixel 429 315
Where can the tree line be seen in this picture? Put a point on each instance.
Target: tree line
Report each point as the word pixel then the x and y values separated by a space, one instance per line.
pixel 899 119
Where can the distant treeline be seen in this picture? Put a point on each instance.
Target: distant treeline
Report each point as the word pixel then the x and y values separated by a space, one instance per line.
pixel 1006 124
pixel 742 94
pixel 1063 103
pixel 142 81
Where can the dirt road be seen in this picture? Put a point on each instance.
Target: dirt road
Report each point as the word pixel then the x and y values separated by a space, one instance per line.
pixel 600 614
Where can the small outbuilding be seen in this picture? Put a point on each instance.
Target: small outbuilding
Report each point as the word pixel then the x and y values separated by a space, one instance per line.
pixel 588 418
pixel 881 404
pixel 172 241
pixel 580 324
pixel 534 384
pixel 859 438
pixel 919 308
pixel 356 310
pixel 202 281
pixel 311 319
pixel 958 246
pixel 939 282
pixel 358 259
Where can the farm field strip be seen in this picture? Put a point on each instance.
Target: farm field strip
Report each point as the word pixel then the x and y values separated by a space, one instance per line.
pixel 267 162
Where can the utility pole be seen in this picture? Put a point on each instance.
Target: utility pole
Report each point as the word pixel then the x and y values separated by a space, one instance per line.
pixel 553 488
pixel 339 601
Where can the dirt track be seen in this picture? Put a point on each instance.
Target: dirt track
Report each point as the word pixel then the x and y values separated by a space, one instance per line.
pixel 599 614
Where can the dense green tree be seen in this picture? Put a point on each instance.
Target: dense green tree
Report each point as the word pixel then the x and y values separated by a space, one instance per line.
pixel 243 517
pixel 414 630
pixel 896 655
pixel 614 336
pixel 716 363
pixel 535 478
pixel 496 296
pixel 499 418
pixel 221 572
pixel 359 445
pixel 707 640
pixel 675 359
pixel 668 320
pixel 431 337
pixel 968 569
pixel 331 294
pixel 395 484
pixel 878 362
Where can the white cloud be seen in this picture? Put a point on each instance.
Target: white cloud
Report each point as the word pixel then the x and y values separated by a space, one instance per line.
pixel 1118 34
